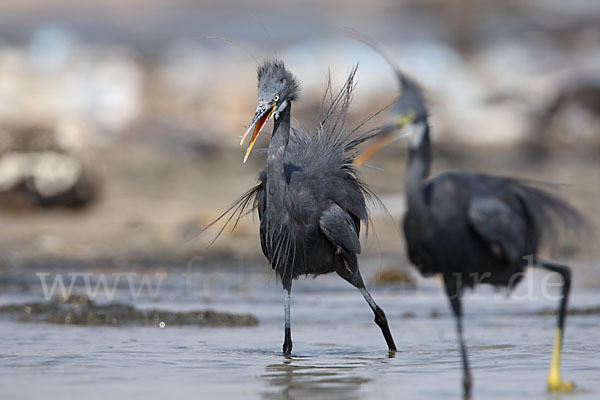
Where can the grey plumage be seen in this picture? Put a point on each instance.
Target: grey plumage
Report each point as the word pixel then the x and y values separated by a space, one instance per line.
pixel 472 223
pixel 475 228
pixel 338 226
pixel 309 198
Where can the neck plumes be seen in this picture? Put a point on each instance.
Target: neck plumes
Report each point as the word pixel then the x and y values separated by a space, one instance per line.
pixel 419 162
pixel 277 147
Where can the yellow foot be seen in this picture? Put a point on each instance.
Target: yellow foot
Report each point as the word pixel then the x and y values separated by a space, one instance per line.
pixel 555 384
pixel 558 385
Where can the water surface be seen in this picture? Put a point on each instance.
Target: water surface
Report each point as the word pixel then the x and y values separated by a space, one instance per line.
pixel 338 350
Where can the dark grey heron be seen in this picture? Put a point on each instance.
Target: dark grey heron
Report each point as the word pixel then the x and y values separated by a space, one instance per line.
pixel 309 199
pixel 473 228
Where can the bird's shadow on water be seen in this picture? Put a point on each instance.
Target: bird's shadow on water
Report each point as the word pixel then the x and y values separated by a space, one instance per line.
pixel 306 377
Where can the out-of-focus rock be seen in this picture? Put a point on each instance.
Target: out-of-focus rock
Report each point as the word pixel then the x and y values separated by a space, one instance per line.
pixel 80 310
pixel 394 276
pixel 571 118
pixel 42 167
pixel 55 78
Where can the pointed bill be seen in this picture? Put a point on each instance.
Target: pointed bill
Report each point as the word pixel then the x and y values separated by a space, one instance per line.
pixel 387 134
pixel 261 116
pixel 377 144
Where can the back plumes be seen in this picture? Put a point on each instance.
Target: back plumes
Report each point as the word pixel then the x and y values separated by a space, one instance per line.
pixel 332 139
pixel 330 147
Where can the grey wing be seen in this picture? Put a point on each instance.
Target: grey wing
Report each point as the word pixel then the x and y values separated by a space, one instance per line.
pixel 501 228
pixel 340 228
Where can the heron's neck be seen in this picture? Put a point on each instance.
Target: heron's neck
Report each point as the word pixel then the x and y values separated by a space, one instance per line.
pixel 277 148
pixel 419 163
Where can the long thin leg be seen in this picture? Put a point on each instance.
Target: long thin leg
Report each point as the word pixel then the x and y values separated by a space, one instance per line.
pixel 555 383
pixel 355 279
pixel 287 341
pixel 454 297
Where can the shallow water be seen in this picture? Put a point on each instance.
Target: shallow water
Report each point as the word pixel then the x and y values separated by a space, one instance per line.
pixel 338 350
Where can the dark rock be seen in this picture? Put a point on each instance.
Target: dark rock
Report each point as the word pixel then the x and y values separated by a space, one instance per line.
pixel 393 276
pixel 79 310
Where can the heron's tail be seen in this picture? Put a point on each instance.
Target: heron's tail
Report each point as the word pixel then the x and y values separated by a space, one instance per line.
pixel 551 215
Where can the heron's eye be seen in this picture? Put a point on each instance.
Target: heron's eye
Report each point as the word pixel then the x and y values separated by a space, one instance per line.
pixel 276 98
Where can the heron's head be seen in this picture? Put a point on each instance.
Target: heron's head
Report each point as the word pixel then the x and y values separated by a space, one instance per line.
pixel 277 87
pixel 409 118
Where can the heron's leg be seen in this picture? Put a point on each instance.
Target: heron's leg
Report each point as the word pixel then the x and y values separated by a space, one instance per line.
pixel 287 342
pixel 355 279
pixel 454 296
pixel 555 383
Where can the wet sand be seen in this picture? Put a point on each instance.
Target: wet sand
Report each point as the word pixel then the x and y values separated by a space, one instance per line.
pixel 154 204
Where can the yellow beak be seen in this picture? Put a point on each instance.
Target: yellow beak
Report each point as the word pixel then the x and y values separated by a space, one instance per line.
pixel 388 134
pixel 261 116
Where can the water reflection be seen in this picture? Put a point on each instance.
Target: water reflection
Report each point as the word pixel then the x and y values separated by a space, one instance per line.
pixel 301 378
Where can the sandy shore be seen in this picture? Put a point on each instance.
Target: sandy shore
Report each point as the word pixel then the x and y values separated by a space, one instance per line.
pixel 154 203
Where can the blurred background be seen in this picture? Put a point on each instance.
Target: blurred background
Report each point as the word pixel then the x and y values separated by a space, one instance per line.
pixel 119 141
pixel 120 120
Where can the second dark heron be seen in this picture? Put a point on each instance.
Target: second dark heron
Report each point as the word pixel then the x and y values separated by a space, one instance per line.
pixel 474 228
pixel 310 201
